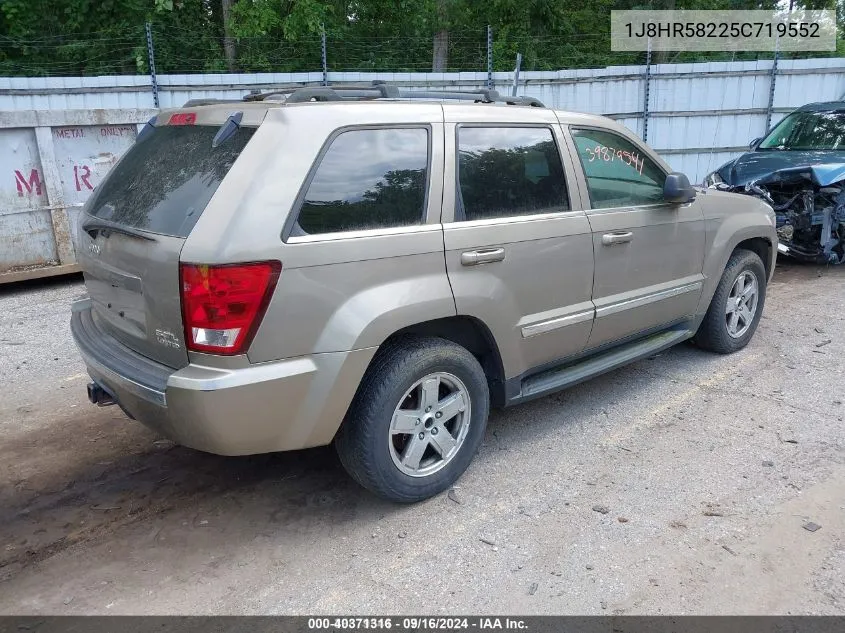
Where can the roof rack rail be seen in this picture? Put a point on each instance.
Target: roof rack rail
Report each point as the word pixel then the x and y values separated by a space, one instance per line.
pixel 339 92
pixel 381 90
pixel 483 95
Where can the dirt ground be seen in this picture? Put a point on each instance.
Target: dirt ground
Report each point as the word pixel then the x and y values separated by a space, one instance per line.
pixel 681 484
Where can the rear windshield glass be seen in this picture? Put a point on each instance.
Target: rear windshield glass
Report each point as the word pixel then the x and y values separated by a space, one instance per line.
pixel 166 179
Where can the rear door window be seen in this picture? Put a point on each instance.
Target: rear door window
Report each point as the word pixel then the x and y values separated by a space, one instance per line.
pixel 509 171
pixel 166 179
pixel 368 179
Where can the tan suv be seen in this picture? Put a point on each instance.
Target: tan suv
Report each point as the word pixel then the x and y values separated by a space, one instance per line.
pixel 376 269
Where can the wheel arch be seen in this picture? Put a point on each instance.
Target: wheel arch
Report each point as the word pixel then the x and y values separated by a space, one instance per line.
pixel 470 333
pixel 763 248
pixel 758 239
pixel 714 332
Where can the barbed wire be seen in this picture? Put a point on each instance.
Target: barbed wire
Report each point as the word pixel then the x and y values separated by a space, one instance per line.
pixel 181 50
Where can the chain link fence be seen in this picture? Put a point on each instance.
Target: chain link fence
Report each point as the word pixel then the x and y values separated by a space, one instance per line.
pixel 183 50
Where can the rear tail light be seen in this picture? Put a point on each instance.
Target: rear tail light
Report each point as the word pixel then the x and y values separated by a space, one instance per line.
pixel 222 306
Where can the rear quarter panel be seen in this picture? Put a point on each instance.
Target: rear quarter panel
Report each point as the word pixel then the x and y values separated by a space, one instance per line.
pixel 354 303
pixel 334 294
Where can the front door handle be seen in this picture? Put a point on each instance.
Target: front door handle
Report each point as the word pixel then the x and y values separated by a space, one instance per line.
pixel 482 256
pixel 609 239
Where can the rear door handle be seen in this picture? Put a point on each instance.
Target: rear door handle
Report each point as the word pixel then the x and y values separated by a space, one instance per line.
pixel 482 256
pixel 609 239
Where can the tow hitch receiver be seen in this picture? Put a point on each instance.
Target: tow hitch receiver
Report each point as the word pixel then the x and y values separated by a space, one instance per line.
pixel 99 396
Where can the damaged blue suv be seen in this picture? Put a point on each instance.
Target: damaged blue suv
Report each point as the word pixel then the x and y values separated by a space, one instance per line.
pixel 799 169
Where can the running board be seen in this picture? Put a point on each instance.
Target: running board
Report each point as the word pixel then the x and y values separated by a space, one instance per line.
pixel 561 377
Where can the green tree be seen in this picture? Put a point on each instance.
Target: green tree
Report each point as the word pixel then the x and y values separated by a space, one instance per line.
pixel 73 37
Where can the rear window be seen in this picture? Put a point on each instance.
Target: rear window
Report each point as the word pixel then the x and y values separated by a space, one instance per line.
pixel 165 180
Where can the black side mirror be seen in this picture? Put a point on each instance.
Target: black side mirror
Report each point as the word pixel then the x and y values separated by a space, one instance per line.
pixel 753 144
pixel 677 189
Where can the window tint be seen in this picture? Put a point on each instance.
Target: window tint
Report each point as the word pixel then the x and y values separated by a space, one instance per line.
pixel 618 173
pixel 509 171
pixel 368 179
pixel 166 179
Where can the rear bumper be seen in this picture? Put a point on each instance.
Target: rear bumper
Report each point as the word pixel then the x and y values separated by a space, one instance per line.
pixel 276 406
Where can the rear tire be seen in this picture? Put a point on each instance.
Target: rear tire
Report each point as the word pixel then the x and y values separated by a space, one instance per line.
pixel 736 307
pixel 417 420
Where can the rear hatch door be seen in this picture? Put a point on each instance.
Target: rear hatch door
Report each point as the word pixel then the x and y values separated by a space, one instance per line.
pixel 134 227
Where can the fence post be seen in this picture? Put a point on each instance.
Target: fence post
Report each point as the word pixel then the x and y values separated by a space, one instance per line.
pixel 152 59
pixel 489 57
pixel 323 54
pixel 516 74
pixel 770 107
pixel 646 90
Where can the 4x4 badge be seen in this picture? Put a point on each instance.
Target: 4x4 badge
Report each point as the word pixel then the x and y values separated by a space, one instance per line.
pixel 94 248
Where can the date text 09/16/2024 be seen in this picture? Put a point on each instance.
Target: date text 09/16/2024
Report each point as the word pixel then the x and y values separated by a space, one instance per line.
pixel 416 623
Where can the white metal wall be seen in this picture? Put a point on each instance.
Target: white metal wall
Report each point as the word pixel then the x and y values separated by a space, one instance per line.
pixel 60 135
pixel 50 163
pixel 699 114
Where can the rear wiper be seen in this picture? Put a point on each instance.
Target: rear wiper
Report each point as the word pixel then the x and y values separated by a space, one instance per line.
pixel 228 129
pixel 96 224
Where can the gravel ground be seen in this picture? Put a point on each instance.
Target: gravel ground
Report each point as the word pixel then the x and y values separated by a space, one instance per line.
pixel 680 485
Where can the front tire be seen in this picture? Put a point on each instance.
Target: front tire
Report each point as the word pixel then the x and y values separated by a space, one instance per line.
pixel 417 420
pixel 737 304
